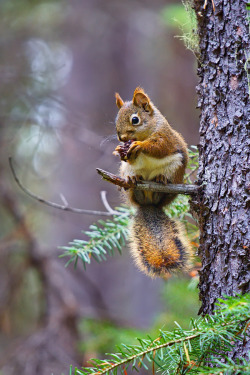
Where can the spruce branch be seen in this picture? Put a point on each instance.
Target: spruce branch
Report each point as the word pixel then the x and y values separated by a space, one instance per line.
pixel 104 237
pixel 186 351
pixel 141 354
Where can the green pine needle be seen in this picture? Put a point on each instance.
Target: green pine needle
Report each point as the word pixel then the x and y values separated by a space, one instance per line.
pixel 104 237
pixel 183 351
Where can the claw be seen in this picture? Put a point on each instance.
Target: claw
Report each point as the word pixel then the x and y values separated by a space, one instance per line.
pixel 137 178
pixel 129 180
pixel 161 179
pixel 134 179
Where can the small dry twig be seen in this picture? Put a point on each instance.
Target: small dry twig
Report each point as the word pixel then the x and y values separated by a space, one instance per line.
pixel 107 205
pixel 65 207
pixel 148 185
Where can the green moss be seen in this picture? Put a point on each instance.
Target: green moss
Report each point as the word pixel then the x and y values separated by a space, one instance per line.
pixel 183 17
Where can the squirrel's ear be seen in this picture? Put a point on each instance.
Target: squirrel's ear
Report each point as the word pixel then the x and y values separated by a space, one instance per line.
pixel 141 99
pixel 119 101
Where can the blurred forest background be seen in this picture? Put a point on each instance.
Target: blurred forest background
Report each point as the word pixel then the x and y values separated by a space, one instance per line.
pixel 60 64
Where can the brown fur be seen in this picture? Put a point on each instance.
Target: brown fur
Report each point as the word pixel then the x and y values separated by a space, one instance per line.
pixel 157 153
pixel 119 101
pixel 158 244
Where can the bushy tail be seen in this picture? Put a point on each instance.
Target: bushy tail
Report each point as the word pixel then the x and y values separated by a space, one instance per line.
pixel 158 243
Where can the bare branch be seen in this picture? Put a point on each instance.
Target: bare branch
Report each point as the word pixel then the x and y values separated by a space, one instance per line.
pixel 56 205
pixel 191 173
pixel 107 205
pixel 149 185
pixel 110 177
pixel 64 200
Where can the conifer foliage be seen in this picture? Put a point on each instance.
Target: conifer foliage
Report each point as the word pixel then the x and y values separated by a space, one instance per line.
pixel 104 237
pixel 186 352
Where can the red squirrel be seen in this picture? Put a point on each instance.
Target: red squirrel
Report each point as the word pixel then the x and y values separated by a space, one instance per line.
pixel 153 151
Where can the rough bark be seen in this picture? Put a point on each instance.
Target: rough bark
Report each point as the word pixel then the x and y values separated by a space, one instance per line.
pixel 223 97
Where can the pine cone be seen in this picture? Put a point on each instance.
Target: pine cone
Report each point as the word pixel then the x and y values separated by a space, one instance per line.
pixel 122 150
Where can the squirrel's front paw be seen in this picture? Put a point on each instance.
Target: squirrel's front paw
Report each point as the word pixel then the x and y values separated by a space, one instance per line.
pixel 161 179
pixel 134 179
pixel 134 150
pixel 122 149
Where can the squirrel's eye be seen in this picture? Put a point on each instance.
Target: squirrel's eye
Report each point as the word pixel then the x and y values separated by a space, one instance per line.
pixel 134 119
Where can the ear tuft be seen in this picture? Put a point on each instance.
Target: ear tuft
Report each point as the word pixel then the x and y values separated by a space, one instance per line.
pixel 140 99
pixel 119 101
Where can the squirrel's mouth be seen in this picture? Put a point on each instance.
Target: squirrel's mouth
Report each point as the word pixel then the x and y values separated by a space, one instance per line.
pixel 129 140
pixel 128 136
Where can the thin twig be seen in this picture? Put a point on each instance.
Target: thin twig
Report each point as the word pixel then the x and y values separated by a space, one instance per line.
pixel 149 185
pixel 191 173
pixel 107 205
pixel 64 200
pixel 56 205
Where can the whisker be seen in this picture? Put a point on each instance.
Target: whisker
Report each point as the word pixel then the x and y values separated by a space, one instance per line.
pixel 109 138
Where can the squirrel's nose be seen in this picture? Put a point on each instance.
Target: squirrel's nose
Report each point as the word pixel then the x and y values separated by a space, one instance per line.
pixel 122 137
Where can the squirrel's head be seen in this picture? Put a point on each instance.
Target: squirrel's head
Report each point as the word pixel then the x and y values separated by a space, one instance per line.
pixel 135 120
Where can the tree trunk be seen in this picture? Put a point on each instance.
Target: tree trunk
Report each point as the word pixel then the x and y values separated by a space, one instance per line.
pixel 223 92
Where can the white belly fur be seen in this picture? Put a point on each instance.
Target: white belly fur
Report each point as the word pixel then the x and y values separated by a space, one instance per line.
pixel 149 167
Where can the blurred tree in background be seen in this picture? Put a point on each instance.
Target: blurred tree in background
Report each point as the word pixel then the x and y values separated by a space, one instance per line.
pixel 60 64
